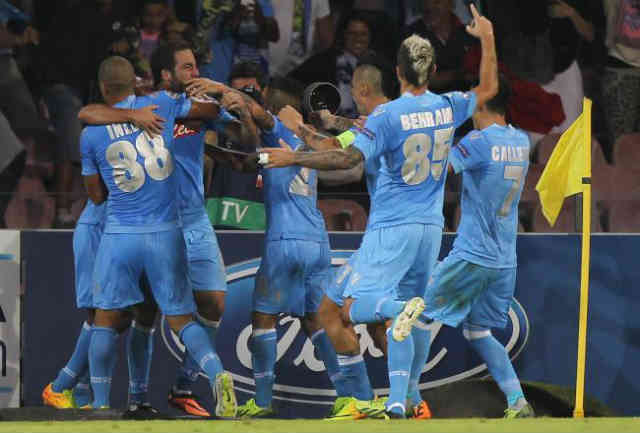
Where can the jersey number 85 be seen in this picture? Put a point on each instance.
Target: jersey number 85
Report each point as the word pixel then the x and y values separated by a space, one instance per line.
pixel 128 174
pixel 416 150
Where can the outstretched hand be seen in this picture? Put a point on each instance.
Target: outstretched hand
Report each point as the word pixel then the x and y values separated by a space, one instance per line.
pixel 480 26
pixel 199 87
pixel 279 156
pixel 290 118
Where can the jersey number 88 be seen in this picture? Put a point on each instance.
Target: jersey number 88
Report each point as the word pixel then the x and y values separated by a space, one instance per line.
pixel 128 174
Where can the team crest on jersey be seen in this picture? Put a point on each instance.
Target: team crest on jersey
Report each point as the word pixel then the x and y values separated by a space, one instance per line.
pixel 180 130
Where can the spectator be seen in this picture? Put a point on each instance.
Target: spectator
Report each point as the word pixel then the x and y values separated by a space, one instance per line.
pixel 336 65
pixel 238 30
pixel 153 20
pixel 450 41
pixel 305 26
pixel 621 80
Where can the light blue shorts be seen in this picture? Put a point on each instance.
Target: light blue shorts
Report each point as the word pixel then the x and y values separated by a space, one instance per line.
pixel 462 291
pixel 86 239
pixel 205 263
pixel 124 258
pixel 391 262
pixel 292 277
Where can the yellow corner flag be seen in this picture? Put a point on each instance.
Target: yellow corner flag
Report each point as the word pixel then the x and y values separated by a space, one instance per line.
pixel 568 164
pixel 568 172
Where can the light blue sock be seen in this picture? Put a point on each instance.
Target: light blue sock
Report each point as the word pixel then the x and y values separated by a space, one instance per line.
pixel 82 390
pixel 399 360
pixel 327 354
pixel 354 372
pixel 103 355
pixel 370 309
pixel 189 369
pixel 78 364
pixel 421 346
pixel 197 342
pixel 139 354
pixel 264 351
pixel 498 363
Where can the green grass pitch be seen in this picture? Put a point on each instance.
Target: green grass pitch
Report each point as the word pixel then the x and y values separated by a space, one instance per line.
pixel 470 425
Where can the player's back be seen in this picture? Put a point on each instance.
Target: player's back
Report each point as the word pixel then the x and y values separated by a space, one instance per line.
pixel 136 169
pixel 412 135
pixel 496 161
pixel 291 196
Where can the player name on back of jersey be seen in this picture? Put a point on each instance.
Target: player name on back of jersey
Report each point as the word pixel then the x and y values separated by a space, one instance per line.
pixel 426 119
pixel 510 153
pixel 117 130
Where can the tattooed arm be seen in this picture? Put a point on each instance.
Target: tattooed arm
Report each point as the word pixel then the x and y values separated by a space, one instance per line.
pixel 292 119
pixel 338 159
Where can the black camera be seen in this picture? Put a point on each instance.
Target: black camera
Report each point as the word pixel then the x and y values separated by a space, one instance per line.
pixel 321 96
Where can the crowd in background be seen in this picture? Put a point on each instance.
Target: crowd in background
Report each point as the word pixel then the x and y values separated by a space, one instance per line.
pixel 553 52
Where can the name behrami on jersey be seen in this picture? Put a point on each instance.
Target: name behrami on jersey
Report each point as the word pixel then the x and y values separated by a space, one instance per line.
pixel 136 169
pixel 411 136
pixel 290 195
pixel 494 164
pixel 188 152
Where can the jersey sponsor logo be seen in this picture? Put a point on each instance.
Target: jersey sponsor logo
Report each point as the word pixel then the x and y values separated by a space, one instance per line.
pixel 180 130
pixel 301 376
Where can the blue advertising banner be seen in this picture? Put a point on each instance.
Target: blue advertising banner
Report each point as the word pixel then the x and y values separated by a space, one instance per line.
pixel 541 335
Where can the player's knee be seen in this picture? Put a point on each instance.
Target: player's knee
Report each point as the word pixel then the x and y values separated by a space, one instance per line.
pixel 475 333
pixel 345 311
pixel 176 323
pixel 263 320
pixel 327 311
pixel 377 332
pixel 210 304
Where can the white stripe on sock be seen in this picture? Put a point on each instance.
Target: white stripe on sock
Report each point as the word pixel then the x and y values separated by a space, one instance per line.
pixel 70 372
pixel 399 373
pixel 206 322
pixel 142 328
pixel 262 331
pixel 86 326
pixel 400 405
pixel 474 335
pixel 349 360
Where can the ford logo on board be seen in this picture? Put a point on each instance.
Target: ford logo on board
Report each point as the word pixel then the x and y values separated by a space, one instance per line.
pixel 301 376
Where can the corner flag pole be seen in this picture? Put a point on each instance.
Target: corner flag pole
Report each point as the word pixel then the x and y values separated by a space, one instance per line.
pixel 578 411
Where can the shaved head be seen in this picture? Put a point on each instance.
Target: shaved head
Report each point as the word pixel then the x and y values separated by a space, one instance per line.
pixel 116 76
pixel 371 76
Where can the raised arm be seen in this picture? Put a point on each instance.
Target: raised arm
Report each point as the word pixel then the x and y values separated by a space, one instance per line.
pixel 292 119
pixel 482 29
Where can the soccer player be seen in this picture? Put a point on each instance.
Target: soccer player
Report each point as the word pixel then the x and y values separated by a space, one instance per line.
pixel 474 284
pixel 295 261
pixel 141 235
pixel 71 387
pixel 173 66
pixel 386 277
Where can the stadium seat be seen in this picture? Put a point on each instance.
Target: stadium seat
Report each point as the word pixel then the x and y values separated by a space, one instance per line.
pixel 545 147
pixel 624 216
pixel 626 150
pixel 566 222
pixel 343 215
pixel 31 206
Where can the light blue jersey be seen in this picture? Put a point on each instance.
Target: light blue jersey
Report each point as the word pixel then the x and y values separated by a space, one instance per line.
pixel 290 195
pixel 411 137
pixel 494 163
pixel 188 152
pixel 136 170
pixel 93 214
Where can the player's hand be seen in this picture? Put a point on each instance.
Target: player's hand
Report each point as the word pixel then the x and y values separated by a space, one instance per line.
pixel 290 118
pixel 360 122
pixel 559 9
pixel 145 119
pixel 233 101
pixel 322 119
pixel 480 27
pixel 279 157
pixel 199 87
